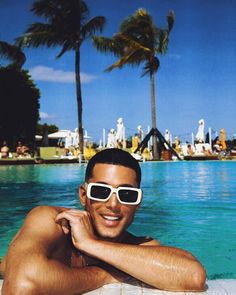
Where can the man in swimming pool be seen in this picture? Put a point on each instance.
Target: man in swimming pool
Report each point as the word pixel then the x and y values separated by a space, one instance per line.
pixel 68 251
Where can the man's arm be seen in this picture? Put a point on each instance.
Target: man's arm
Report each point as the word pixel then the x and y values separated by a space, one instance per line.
pixel 30 268
pixel 163 267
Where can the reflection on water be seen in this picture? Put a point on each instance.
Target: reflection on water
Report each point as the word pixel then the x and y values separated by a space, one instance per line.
pixel 186 204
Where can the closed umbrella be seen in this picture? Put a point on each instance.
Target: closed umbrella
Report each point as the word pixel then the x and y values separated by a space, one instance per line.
pixel 111 139
pixel 120 130
pixel 200 133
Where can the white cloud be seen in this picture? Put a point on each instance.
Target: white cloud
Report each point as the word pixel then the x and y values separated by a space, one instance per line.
pixel 42 73
pixel 44 115
pixel 85 78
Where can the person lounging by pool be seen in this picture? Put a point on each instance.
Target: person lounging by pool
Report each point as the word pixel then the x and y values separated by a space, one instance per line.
pixel 22 151
pixel 68 251
pixel 4 151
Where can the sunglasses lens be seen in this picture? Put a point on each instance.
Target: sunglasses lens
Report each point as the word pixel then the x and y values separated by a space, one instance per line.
pixel 100 192
pixel 128 196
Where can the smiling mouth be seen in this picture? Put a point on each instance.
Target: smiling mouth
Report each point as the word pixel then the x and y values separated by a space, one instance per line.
pixel 111 218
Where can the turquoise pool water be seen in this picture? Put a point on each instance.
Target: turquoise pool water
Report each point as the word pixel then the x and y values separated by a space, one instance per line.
pixel 187 204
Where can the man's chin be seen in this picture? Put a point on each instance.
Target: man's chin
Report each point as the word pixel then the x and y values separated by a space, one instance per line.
pixel 108 236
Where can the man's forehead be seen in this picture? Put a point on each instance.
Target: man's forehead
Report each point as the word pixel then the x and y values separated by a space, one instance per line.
pixel 107 166
pixel 111 170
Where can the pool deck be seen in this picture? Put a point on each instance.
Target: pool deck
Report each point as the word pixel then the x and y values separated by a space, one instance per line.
pixel 214 287
pixel 38 161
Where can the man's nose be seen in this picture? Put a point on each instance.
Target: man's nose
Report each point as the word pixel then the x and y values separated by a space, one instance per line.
pixel 113 202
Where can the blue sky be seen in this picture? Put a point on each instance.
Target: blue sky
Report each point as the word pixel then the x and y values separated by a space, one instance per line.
pixel 196 79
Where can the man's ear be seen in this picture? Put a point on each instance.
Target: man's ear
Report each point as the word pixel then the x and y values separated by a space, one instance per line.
pixel 82 195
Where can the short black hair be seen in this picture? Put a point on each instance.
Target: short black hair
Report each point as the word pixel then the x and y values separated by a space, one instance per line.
pixel 113 156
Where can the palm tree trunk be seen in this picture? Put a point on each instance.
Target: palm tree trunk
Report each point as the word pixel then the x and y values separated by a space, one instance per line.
pixel 154 126
pixel 79 101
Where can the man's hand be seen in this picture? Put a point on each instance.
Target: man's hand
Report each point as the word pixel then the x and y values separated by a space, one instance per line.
pixel 77 222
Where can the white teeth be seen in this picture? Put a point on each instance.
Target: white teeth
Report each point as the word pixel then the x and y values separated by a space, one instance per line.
pixel 110 217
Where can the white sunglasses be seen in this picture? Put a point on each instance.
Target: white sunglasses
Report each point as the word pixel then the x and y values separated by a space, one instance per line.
pixel 102 192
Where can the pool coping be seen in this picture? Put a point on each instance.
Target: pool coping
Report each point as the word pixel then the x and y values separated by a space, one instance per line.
pixel 214 287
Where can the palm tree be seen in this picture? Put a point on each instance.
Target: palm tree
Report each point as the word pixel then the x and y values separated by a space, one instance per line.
pixel 13 53
pixel 139 41
pixel 67 25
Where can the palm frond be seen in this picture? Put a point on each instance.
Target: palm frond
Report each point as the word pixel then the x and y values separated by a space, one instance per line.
pixel 140 28
pixel 134 20
pixel 13 53
pixel 52 8
pixel 170 20
pixel 130 43
pixel 70 13
pixel 120 63
pixel 151 66
pixel 131 57
pixel 106 45
pixel 92 26
pixel 163 42
pixel 80 7
pixel 67 46
pixel 74 14
pixel 46 8
pixel 40 34
pixel 137 57
pixel 39 27
pixel 39 39
pixel 50 34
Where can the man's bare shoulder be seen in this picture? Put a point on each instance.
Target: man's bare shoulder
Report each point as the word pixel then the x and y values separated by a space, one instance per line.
pixel 41 215
pixel 40 224
pixel 46 210
pixel 142 241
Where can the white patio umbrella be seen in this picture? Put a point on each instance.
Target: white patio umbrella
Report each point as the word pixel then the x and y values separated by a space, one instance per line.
pixel 70 138
pixel 38 137
pixel 59 134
